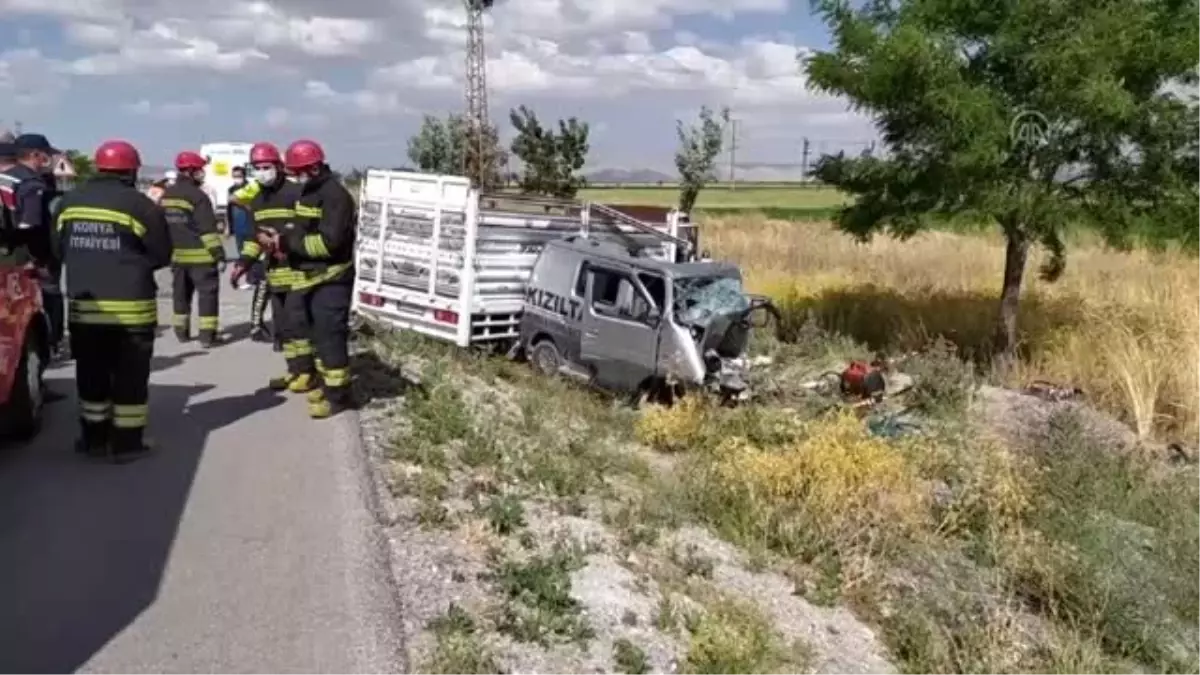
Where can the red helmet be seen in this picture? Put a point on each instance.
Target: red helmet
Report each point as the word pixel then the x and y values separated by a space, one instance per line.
pixel 189 161
pixel 117 156
pixel 265 153
pixel 303 155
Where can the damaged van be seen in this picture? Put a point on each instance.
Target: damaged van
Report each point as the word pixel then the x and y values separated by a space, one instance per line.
pixel 611 294
pixel 634 324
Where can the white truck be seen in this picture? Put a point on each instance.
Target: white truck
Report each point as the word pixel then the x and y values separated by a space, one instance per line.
pixel 436 256
pixel 222 158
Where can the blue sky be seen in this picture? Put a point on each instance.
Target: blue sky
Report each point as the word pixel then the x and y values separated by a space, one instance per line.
pixel 358 74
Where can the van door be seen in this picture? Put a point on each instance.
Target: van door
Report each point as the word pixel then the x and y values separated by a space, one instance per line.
pixel 619 342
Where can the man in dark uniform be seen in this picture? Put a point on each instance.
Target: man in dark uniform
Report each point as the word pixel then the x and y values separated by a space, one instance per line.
pixel 272 201
pixel 112 238
pixel 321 249
pixel 32 190
pixel 198 255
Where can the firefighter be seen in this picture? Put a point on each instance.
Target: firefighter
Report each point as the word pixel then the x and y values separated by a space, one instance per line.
pixel 272 201
pixel 112 238
pixel 321 249
pixel 33 190
pixel 199 254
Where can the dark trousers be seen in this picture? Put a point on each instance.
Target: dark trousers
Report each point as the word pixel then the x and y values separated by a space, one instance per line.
pixel 290 314
pixel 329 306
pixel 203 281
pixel 112 376
pixel 55 308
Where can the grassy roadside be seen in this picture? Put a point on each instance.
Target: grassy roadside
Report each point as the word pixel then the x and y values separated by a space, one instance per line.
pixel 595 527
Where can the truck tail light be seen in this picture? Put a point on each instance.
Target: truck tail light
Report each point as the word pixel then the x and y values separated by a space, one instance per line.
pixel 445 316
pixel 370 299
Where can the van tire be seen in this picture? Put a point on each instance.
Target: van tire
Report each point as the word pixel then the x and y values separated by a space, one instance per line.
pixel 545 358
pixel 23 415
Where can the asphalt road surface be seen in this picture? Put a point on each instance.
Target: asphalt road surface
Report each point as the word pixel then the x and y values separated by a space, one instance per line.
pixel 246 543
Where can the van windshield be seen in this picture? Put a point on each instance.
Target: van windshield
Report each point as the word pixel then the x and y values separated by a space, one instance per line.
pixel 699 299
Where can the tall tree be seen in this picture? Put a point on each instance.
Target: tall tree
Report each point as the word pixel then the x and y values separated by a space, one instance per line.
pixel 1033 115
pixel 696 157
pixel 551 160
pixel 433 148
pixel 442 146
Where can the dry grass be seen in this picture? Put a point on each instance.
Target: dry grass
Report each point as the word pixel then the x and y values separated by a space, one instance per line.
pixel 969 555
pixel 1124 327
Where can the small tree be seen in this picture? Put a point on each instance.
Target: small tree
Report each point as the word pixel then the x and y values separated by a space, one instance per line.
pixel 82 164
pixel 1031 115
pixel 433 148
pixel 552 161
pixel 442 146
pixel 696 157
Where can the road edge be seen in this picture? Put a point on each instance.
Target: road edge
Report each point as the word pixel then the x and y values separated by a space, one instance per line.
pixel 378 504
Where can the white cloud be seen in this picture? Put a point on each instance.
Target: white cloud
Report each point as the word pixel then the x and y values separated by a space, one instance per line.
pixel 364 101
pixel 283 119
pixel 165 46
pixel 28 78
pixel 168 110
pixel 372 66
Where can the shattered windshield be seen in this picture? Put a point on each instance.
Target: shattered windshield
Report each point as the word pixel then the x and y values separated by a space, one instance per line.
pixel 699 299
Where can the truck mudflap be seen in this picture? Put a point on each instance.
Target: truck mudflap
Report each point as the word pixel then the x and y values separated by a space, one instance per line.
pixel 20 304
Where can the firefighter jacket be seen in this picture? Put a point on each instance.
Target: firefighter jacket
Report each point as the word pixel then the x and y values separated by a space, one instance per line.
pixel 193 224
pixel 271 206
pixel 111 238
pixel 321 246
pixel 25 225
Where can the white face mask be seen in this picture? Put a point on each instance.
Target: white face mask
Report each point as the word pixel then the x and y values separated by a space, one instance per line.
pixel 301 179
pixel 265 176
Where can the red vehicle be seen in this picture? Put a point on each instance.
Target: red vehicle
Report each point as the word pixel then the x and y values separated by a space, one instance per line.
pixel 24 351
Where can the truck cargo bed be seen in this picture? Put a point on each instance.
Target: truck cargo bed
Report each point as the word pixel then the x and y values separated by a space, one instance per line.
pixel 436 256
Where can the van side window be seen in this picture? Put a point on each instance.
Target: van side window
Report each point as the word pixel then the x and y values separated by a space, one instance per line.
pixel 581 281
pixel 656 287
pixel 606 286
pixel 615 295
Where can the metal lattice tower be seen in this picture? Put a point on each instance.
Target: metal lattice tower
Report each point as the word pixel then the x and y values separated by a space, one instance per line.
pixel 477 102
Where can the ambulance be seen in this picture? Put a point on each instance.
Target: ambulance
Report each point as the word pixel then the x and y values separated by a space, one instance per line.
pixel 222 158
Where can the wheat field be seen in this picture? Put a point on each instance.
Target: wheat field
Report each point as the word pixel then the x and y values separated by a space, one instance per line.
pixel 1122 326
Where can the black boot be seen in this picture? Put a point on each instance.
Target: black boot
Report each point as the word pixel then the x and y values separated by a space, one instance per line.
pixel 183 335
pixel 258 307
pixel 261 334
pixel 210 338
pixel 128 445
pixel 93 439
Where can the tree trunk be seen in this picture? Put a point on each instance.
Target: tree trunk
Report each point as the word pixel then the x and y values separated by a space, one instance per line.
pixel 687 197
pixel 1016 252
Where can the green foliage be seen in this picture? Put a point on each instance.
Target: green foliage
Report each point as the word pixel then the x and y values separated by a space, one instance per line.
pixel 956 87
pixel 82 163
pixel 697 154
pixel 552 160
pixel 449 146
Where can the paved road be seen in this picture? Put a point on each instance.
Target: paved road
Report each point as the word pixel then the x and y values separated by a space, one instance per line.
pixel 247 543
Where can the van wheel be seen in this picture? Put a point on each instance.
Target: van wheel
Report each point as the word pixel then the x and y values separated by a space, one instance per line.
pixel 545 358
pixel 23 417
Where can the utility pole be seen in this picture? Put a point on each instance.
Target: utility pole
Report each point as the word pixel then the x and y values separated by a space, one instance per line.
pixel 479 167
pixel 804 161
pixel 732 153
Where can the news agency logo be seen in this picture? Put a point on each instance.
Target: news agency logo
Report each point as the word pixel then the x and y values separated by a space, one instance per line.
pixel 1029 129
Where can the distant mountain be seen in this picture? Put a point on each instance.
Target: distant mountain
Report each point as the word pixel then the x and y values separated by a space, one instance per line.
pixel 628 176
